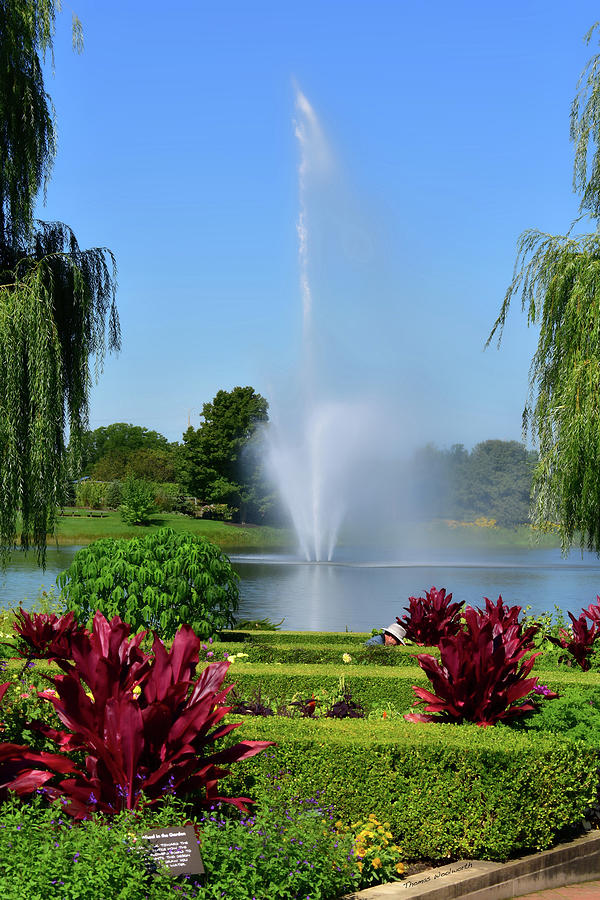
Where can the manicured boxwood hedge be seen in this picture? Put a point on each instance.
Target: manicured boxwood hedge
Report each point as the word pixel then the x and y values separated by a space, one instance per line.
pixel 298 637
pixel 448 791
pixel 327 647
pixel 320 653
pixel 373 686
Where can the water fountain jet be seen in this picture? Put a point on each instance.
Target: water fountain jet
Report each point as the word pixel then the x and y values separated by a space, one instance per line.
pixel 312 452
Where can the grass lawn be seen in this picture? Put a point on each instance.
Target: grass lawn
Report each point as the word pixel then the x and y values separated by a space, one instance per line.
pixel 81 526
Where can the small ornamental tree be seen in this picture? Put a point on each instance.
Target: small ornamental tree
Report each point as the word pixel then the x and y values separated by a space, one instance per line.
pixel 155 582
pixel 138 501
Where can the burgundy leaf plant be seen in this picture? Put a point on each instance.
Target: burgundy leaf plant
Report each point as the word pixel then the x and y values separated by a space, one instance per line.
pixel 482 675
pixel 146 724
pixel 45 636
pixel 502 616
pixel 593 611
pixel 580 643
pixel 431 617
pixel 20 768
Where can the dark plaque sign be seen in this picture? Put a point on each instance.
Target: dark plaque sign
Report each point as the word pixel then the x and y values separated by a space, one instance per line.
pixel 177 848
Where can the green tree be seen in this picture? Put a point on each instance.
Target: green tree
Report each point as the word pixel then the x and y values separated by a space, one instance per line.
pixel 211 460
pixel 493 480
pixel 151 465
pixel 118 438
pixel 57 304
pixel 498 482
pixel 558 280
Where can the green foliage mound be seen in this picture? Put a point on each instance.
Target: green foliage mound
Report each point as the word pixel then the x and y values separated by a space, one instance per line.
pixel 157 582
pixel 448 791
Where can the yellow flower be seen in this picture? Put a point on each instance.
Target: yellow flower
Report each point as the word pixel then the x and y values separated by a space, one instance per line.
pixel 380 830
pixel 137 690
pixel 360 866
pixel 346 657
pixel 372 817
pixel 376 863
pixel 399 868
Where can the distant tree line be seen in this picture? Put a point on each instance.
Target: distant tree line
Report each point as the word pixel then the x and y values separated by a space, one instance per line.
pixel 221 464
pixel 493 480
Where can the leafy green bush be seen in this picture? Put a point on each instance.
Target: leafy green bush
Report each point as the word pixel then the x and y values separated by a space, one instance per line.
pixel 44 856
pixel 281 852
pixel 138 501
pixel 575 714
pixel 446 790
pixel 285 853
pixel 157 582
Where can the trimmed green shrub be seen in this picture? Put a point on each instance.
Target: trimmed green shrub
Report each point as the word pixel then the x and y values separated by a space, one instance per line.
pixel 138 501
pixel 374 687
pixel 297 637
pixel 322 654
pixel 371 686
pixel 448 791
pixel 157 582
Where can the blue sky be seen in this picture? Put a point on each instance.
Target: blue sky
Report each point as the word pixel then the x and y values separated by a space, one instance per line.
pixel 449 124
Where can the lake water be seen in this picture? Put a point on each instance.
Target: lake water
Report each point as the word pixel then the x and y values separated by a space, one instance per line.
pixel 370 593
pixel 358 591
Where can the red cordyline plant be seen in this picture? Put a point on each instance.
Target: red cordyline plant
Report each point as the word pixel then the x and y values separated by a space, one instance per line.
pixel 45 636
pixel 19 766
pixel 580 643
pixel 431 617
pixel 593 611
pixel 145 723
pixel 482 675
pixel 501 616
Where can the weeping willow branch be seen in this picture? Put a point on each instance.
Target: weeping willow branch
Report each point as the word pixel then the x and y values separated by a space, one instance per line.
pixel 57 302
pixel 55 314
pixel 558 280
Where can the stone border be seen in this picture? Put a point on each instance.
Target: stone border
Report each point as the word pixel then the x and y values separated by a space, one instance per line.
pixel 577 861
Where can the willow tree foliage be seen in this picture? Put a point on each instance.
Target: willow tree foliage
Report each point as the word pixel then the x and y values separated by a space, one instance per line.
pixel 558 281
pixel 57 307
